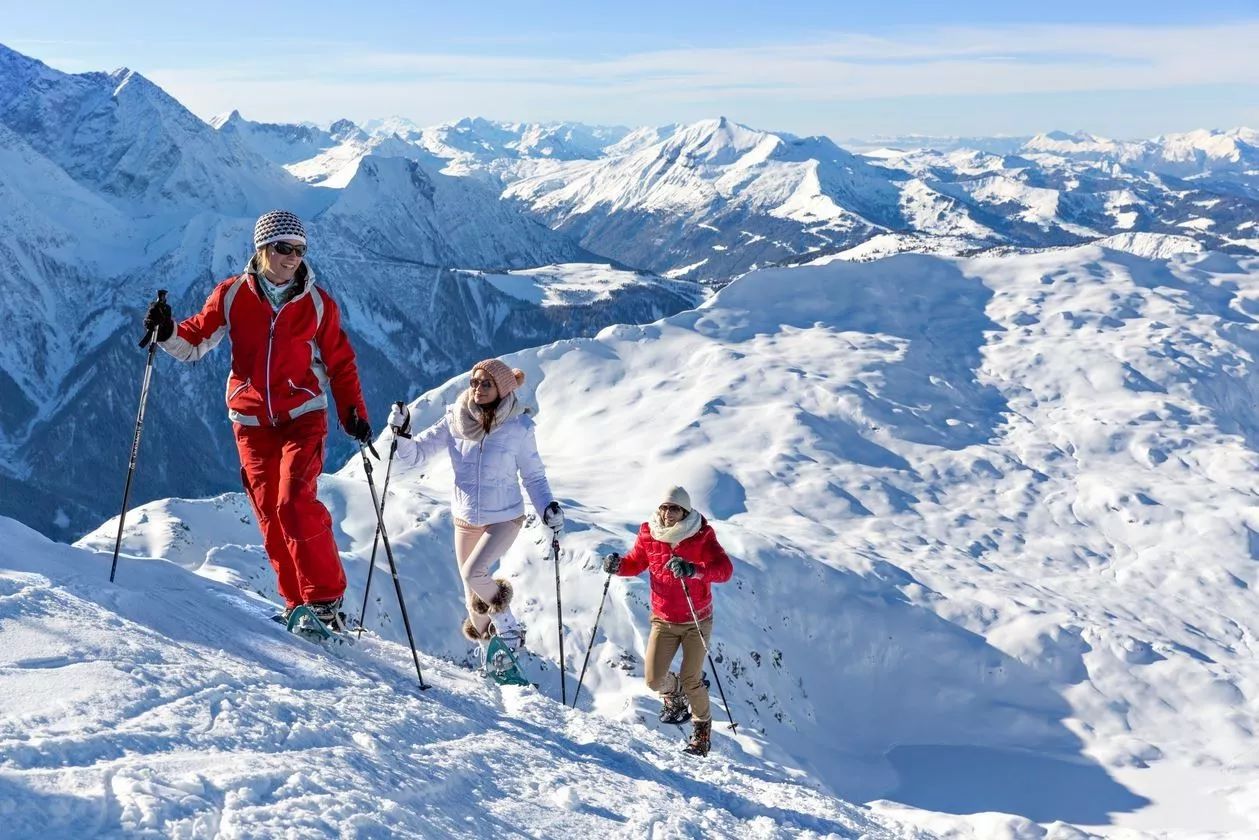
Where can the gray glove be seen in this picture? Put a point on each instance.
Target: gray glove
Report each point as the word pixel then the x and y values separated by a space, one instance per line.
pixel 680 568
pixel 612 563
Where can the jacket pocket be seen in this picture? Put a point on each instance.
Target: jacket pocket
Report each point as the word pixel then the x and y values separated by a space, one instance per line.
pixel 235 391
pixel 299 388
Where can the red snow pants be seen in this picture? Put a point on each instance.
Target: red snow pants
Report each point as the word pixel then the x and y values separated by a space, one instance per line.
pixel 280 466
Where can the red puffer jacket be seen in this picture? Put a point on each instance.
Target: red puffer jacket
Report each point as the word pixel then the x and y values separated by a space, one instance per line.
pixel 712 565
pixel 283 362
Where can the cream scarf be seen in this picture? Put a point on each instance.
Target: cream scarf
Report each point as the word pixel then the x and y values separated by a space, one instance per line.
pixel 688 526
pixel 465 420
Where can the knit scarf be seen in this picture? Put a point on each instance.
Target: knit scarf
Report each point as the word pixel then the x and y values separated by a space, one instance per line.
pixel 467 415
pixel 278 295
pixel 688 526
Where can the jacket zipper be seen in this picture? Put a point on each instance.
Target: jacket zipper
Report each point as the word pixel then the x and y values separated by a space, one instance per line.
pixel 480 452
pixel 271 341
pixel 232 395
pixel 300 388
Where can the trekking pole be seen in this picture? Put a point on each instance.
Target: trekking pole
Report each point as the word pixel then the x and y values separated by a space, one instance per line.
pixel 734 727
pixel 147 341
pixel 393 567
pixel 559 617
pixel 384 494
pixel 590 646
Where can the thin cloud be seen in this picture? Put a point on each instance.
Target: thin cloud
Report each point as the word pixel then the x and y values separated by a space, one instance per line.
pixel 670 83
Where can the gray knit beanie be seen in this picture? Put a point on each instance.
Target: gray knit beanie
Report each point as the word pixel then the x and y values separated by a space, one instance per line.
pixel 677 496
pixel 276 225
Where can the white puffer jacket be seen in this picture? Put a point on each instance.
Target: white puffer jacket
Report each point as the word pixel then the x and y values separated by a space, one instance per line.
pixel 488 472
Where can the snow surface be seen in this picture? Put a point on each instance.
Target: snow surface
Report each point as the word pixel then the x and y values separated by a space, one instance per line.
pixel 170 705
pixel 993 522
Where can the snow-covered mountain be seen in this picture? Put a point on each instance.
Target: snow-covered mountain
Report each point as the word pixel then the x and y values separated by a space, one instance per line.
pixel 992 519
pixel 475 139
pixel 286 143
pixel 713 199
pixel 110 189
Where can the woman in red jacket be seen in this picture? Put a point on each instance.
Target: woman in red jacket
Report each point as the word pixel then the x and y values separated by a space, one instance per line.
pixel 288 353
pixel 679 550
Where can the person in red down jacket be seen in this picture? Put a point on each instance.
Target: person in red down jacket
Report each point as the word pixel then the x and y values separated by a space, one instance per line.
pixel 678 548
pixel 288 354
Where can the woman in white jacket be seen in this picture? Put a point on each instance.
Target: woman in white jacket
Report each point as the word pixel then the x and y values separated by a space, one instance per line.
pixel 489 437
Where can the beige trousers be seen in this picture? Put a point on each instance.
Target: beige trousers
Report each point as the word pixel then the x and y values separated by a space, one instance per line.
pixel 477 548
pixel 662 646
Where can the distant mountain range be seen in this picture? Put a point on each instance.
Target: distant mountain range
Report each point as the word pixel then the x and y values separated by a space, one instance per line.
pixel 713 199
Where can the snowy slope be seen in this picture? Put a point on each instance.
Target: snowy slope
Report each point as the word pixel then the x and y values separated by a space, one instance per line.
pixel 992 521
pixel 169 705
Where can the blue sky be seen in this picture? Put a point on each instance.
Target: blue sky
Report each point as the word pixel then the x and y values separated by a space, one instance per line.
pixel 848 70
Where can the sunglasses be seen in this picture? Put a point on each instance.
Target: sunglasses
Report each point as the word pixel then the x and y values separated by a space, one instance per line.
pixel 286 248
pixel 481 383
pixel 671 508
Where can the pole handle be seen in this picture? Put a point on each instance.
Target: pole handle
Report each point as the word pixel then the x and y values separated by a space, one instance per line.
pixel 149 336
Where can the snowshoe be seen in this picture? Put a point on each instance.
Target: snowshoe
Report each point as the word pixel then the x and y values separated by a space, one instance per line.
pixel 304 621
pixel 501 665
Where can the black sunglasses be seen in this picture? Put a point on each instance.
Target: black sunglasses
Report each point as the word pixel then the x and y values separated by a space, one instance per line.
pixel 286 248
pixel 671 507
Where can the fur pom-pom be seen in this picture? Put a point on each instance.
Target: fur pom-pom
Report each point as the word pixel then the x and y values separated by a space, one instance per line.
pixel 470 633
pixel 499 602
pixel 520 376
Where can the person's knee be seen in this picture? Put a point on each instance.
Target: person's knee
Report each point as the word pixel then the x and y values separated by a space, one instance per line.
pixel 662 683
pixel 288 506
pixel 692 682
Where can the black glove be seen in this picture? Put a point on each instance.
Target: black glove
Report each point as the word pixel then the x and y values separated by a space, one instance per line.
pixel 158 320
pixel 358 428
pixel 612 563
pixel 680 568
pixel 553 517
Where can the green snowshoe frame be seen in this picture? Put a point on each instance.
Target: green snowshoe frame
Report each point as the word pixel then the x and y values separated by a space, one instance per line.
pixel 312 629
pixel 501 665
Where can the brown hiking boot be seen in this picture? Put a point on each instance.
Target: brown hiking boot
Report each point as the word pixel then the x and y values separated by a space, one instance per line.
pixel 675 708
pixel 701 738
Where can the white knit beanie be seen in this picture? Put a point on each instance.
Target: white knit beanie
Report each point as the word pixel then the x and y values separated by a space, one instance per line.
pixel 276 225
pixel 679 497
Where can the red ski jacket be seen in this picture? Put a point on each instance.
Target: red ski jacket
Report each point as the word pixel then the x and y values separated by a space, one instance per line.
pixel 712 565
pixel 283 362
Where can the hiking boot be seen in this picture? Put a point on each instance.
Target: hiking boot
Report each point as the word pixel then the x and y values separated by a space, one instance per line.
pixel 511 631
pixel 282 617
pixel 675 708
pixel 701 738
pixel 329 612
